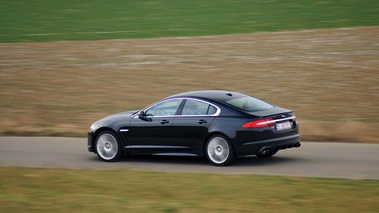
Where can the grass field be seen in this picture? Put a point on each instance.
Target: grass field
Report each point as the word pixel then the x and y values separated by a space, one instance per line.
pixel 54 20
pixel 61 190
pixel 329 77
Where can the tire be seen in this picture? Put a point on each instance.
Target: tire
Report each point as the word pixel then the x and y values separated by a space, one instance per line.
pixel 268 154
pixel 219 151
pixel 108 147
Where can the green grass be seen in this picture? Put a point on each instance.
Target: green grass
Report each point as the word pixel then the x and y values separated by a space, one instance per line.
pixel 124 190
pixel 52 20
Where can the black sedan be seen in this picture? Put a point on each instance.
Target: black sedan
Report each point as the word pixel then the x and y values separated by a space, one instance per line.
pixel 220 125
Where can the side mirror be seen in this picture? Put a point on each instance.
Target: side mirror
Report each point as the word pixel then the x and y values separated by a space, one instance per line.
pixel 143 116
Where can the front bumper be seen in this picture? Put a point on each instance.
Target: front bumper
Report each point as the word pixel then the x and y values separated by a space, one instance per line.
pixel 90 142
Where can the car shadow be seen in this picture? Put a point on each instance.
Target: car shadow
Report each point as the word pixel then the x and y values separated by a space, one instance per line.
pixel 155 159
pixel 182 160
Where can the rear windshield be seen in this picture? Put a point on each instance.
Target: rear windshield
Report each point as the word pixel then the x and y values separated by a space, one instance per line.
pixel 248 103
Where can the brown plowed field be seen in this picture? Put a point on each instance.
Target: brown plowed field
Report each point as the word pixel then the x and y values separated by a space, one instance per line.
pixel 330 77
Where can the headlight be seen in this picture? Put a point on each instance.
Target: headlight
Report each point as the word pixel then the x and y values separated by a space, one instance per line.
pixel 93 127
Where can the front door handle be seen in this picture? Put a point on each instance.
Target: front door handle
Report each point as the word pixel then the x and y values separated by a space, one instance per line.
pixel 165 122
pixel 202 121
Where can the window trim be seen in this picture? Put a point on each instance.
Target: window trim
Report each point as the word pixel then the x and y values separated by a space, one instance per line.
pixel 180 108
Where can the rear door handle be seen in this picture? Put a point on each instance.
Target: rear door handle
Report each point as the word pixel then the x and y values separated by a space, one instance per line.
pixel 165 122
pixel 202 121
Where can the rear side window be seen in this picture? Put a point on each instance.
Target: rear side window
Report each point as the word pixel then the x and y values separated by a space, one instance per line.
pixel 195 107
pixel 211 110
pixel 248 103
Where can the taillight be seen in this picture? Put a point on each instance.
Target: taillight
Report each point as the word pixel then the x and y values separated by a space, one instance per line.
pixel 259 123
pixel 293 117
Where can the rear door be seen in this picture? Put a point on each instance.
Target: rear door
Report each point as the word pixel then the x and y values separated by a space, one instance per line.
pixel 190 128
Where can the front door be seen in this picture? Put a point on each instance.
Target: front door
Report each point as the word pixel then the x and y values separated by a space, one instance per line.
pixel 153 133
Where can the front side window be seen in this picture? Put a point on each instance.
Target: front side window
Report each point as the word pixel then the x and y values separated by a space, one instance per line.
pixel 166 108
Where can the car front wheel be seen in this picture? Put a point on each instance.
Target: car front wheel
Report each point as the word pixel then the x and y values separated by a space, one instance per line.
pixel 108 147
pixel 219 151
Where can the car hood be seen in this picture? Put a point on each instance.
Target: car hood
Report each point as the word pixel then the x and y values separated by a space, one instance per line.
pixel 110 120
pixel 123 115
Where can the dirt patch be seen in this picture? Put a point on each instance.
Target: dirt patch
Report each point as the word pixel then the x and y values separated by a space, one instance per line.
pixel 330 77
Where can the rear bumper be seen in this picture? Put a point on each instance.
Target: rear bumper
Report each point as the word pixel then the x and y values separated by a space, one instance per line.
pixel 255 147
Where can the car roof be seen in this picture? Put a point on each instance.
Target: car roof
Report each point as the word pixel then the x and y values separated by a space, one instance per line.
pixel 214 95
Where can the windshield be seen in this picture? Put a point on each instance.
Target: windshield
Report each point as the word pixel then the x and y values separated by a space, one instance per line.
pixel 248 103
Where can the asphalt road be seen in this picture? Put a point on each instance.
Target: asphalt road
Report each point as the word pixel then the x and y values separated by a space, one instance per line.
pixel 332 160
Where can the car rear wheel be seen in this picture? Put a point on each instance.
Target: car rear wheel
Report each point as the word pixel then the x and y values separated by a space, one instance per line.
pixel 219 151
pixel 108 147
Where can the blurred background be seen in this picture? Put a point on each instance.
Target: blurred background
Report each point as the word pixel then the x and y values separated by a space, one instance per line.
pixel 65 64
